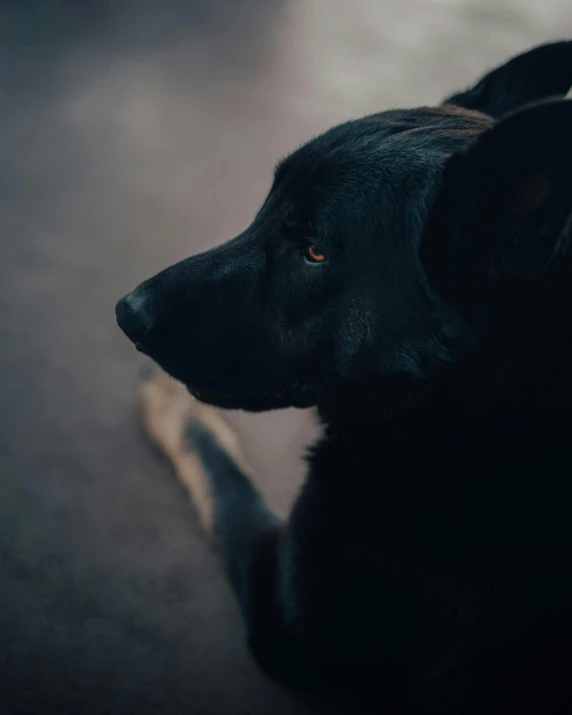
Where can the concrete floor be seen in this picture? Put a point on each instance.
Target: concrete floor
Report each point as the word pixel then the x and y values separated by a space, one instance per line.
pixel 131 137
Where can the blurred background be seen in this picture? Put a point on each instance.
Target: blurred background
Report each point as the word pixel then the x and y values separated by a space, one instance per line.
pixel 132 134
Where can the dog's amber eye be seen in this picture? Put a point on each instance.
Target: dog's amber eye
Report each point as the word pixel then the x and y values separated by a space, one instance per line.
pixel 314 255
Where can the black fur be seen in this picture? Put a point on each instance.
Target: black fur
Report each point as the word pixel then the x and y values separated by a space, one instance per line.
pixel 426 562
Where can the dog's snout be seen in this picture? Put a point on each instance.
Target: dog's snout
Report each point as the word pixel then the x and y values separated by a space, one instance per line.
pixel 134 316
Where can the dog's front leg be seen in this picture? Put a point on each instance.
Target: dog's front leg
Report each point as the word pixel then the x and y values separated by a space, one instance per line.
pixel 207 458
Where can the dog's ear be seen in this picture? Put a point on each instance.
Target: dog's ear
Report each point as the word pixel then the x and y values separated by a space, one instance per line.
pixel 542 73
pixel 505 209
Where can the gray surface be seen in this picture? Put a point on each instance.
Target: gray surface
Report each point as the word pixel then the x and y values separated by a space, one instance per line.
pixel 130 139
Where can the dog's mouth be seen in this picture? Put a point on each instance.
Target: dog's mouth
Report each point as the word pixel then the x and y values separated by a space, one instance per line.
pixel 292 396
pixel 252 398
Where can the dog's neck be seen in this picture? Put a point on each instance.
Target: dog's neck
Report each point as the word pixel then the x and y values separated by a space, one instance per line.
pixel 520 371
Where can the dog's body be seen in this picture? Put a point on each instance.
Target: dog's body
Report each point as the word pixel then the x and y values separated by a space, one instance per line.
pixel 408 275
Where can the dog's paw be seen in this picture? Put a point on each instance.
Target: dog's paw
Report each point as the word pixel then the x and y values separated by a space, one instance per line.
pixel 169 414
pixel 165 409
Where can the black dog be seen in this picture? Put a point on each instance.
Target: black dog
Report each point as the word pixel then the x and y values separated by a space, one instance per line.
pixel 408 274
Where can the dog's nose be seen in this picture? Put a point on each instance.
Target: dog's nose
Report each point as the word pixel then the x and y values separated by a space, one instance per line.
pixel 134 316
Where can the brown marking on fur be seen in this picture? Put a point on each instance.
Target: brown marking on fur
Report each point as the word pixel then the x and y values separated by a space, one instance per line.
pixel 452 110
pixel 443 110
pixel 167 409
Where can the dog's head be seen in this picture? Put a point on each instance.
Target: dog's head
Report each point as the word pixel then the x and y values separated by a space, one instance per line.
pixel 374 255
